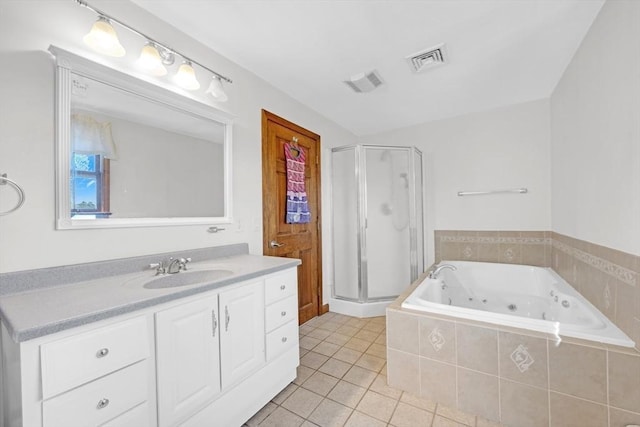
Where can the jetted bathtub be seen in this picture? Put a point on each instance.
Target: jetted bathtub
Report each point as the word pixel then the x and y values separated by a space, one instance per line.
pixel 521 296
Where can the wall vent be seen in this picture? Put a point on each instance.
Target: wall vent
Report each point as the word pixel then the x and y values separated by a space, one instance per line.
pixel 432 57
pixel 364 82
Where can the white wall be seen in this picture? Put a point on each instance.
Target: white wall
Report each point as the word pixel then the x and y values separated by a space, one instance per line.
pixel 498 149
pixel 595 122
pixel 28 238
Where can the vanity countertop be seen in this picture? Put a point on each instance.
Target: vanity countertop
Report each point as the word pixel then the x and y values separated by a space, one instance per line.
pixel 42 311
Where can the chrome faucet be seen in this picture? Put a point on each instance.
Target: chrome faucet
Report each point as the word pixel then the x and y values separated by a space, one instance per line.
pixel 434 273
pixel 177 265
pixel 173 266
pixel 159 266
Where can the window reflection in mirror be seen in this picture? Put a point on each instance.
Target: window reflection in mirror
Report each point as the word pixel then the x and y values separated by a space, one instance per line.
pixel 133 157
pixel 89 185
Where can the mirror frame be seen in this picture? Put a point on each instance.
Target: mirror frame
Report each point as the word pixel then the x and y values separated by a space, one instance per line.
pixel 66 63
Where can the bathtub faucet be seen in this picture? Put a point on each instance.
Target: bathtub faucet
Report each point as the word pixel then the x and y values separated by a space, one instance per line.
pixel 434 273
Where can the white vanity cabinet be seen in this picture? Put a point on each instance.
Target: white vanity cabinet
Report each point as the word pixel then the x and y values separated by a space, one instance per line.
pixel 241 332
pixel 210 359
pixel 96 375
pixel 281 314
pixel 259 349
pixel 206 345
pixel 188 358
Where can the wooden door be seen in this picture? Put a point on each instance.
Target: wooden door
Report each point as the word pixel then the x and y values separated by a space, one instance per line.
pixel 241 332
pixel 188 358
pixel 301 241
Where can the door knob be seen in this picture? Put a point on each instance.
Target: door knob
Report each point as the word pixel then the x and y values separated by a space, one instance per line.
pixel 275 244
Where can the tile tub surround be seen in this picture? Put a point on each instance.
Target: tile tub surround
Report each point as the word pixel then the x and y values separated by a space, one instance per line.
pixel 509 247
pixel 510 376
pixel 606 277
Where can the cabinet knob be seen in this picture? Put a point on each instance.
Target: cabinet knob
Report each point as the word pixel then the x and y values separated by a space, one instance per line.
pixel 102 352
pixel 282 287
pixel 103 403
pixel 284 339
pixel 214 321
pixel 284 313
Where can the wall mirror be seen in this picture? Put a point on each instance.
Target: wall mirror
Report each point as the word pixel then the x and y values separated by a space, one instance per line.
pixel 130 153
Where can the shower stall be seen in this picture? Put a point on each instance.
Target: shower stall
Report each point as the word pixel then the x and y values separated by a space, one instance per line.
pixel 377 226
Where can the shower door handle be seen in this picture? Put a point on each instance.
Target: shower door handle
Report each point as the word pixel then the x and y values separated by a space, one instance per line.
pixel 275 244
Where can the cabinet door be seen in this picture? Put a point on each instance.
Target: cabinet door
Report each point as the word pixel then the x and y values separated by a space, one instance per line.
pixel 242 331
pixel 188 358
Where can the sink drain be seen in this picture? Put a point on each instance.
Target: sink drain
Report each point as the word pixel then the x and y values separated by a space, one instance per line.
pixel 512 307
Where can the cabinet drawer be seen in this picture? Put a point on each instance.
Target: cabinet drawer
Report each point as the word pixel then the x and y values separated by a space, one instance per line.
pixel 99 401
pixel 279 313
pixel 138 417
pixel 280 286
pixel 73 361
pixel 283 338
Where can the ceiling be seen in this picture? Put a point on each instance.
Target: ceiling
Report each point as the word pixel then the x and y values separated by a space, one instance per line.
pixel 500 52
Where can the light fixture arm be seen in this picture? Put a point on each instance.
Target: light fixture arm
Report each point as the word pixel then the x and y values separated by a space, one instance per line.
pixel 157 43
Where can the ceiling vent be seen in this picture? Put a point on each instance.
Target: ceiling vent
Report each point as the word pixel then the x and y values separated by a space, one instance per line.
pixel 364 82
pixel 426 59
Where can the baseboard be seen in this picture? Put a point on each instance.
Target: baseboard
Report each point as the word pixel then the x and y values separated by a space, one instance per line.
pixel 324 309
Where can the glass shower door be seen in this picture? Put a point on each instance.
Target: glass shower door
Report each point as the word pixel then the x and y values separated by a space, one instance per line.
pixel 346 266
pixel 386 240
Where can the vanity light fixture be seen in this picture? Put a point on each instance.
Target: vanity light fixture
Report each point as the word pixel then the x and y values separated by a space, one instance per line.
pixel 103 38
pixel 151 61
pixel 186 77
pixel 154 56
pixel 216 90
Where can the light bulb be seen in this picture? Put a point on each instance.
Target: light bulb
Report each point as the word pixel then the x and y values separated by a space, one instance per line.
pixel 150 60
pixel 186 77
pixel 103 39
pixel 216 90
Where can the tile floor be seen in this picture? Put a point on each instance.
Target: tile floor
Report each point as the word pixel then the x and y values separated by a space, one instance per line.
pixel 342 382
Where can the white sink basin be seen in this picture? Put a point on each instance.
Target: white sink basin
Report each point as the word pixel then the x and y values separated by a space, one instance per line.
pixel 187 278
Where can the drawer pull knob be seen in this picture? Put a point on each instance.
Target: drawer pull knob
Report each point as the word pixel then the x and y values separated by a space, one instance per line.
pixel 284 313
pixel 214 321
pixel 284 339
pixel 282 287
pixel 102 352
pixel 103 403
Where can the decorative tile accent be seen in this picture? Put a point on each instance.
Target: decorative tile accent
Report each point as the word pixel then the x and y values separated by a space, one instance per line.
pixel 467 252
pixel 607 296
pixel 521 358
pixel 497 240
pixel 509 255
pixel 623 274
pixel 437 339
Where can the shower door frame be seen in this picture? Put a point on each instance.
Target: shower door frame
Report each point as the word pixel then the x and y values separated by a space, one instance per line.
pixel 360 173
